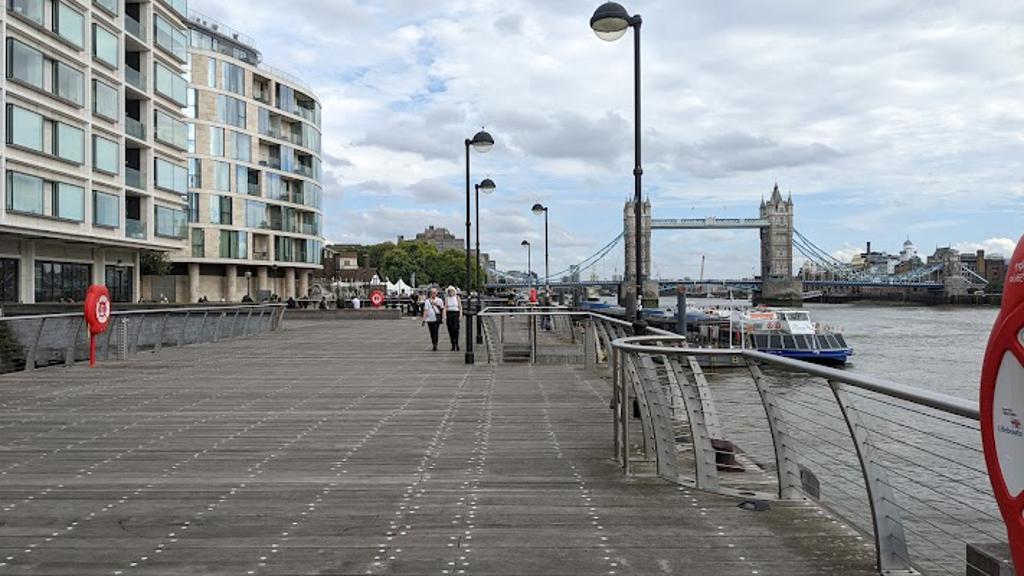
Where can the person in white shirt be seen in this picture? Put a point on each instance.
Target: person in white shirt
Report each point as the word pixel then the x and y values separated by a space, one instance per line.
pixel 356 304
pixel 433 307
pixel 453 313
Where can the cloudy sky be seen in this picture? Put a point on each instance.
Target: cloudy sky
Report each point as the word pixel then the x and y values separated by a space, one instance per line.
pixel 885 119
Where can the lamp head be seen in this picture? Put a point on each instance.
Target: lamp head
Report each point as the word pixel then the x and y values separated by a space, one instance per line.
pixel 525 243
pixel 539 209
pixel 610 21
pixel 482 141
pixel 486 186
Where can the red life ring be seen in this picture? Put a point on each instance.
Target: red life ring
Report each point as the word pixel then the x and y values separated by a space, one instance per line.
pixel 97 308
pixel 377 298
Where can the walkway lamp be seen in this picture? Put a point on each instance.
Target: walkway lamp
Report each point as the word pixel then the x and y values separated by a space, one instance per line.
pixel 610 22
pixel 539 209
pixel 487 186
pixel 529 263
pixel 481 142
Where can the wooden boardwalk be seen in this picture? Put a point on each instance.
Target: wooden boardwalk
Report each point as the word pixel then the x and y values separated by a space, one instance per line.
pixel 349 448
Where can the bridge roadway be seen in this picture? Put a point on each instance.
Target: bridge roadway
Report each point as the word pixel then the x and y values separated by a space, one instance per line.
pixel 349 448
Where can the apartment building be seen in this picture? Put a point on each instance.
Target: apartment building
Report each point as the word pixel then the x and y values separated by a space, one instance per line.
pixel 254 171
pixel 94 156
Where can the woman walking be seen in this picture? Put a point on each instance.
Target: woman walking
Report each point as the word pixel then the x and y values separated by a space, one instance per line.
pixel 432 310
pixel 452 315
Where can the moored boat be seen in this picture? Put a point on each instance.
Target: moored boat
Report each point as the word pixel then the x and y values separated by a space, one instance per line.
pixel 792 334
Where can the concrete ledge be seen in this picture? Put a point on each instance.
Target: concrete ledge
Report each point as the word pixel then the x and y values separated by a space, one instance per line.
pixel 343 314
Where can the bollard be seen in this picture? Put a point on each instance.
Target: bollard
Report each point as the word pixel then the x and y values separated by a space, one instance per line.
pixel 681 310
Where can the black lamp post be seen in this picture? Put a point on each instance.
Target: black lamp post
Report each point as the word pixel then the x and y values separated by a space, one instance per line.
pixel 529 264
pixel 481 142
pixel 487 185
pixel 539 209
pixel 610 22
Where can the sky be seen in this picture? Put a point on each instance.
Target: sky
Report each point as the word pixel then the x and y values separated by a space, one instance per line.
pixel 886 120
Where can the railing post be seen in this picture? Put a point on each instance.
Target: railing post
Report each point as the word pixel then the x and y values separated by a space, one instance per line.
pixel 216 328
pixel 184 328
pixel 30 358
pixel 234 323
pixel 704 457
pixel 787 468
pixel 890 541
pixel 202 328
pixel 163 328
pixel 624 411
pixel 614 361
pixel 245 327
pixel 110 338
pixel 589 353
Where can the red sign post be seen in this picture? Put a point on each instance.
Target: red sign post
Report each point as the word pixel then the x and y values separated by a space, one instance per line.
pixel 377 298
pixel 97 316
pixel 1002 406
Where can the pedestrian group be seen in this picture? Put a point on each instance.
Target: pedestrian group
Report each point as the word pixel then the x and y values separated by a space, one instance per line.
pixel 447 310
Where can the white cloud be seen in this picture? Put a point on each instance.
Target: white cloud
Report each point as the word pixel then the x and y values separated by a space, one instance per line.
pixel 991 246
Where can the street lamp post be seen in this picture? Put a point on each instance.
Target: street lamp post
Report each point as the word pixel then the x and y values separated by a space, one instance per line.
pixel 487 185
pixel 539 209
pixel 610 22
pixel 529 264
pixel 481 142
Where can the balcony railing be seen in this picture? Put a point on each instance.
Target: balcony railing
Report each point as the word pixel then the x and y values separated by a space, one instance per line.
pixel 303 170
pixel 135 229
pixel 134 178
pixel 134 27
pixel 253 188
pixel 258 255
pixel 271 162
pixel 135 78
pixel 134 128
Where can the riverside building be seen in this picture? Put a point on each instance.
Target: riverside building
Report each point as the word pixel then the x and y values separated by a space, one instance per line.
pixel 94 155
pixel 254 172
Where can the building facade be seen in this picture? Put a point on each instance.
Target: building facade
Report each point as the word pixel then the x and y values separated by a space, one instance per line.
pixel 93 159
pixel 254 175
pixel 441 239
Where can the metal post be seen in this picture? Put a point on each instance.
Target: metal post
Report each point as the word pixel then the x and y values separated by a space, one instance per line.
pixel 476 273
pixel 69 354
pixel 616 399
pixel 589 359
pixel 160 337
pixel 547 271
pixel 469 320
pixel 681 310
pixel 30 358
pixel 624 404
pixel 639 326
pixel 122 340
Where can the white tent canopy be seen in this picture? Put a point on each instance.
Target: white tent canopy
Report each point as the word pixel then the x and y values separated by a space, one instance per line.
pixel 402 287
pixel 391 288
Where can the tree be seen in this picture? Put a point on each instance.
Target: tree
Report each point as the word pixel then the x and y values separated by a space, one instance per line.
pixel 154 264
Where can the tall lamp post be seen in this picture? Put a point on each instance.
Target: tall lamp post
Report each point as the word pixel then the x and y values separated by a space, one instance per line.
pixel 539 209
pixel 610 22
pixel 481 142
pixel 529 264
pixel 487 185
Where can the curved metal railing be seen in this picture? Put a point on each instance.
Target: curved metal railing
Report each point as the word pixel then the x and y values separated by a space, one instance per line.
pixel 901 465
pixel 28 342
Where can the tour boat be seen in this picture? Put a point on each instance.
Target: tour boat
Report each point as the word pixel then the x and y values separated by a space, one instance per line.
pixel 792 334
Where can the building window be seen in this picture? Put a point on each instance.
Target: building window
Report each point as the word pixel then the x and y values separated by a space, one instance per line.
pixel 198 243
pixel 191 131
pixel 171 223
pixel 8 280
pixel 70 143
pixel 104 100
pixel 24 63
pixel 69 24
pixel 104 46
pixel 69 202
pixel 195 173
pixel 220 210
pixel 31 9
pixel 24 193
pixel 233 244
pixel 211 72
pixel 170 38
pixel 106 209
pixel 180 6
pixel 241 146
pixel 222 176
pixel 108 5
pixel 191 105
pixel 105 155
pixel 24 128
pixel 69 83
pixel 171 131
pixel 216 141
pixel 171 176
pixel 232 78
pixel 193 207
pixel 256 214
pixel 171 85
pixel 119 282
pixel 231 111
pixel 61 281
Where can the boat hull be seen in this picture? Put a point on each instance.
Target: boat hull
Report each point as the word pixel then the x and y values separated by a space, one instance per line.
pixel 828 357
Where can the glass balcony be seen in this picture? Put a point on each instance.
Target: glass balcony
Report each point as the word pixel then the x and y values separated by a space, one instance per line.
pixel 254 188
pixel 134 178
pixel 258 255
pixel 135 229
pixel 303 170
pixel 134 128
pixel 271 162
pixel 134 27
pixel 135 78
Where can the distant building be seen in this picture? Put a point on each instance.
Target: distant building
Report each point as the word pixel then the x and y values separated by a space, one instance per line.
pixel 441 239
pixel 337 259
pixel 875 263
pixel 991 268
pixel 909 252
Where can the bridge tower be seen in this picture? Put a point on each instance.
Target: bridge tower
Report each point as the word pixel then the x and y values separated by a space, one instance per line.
pixel 628 285
pixel 778 286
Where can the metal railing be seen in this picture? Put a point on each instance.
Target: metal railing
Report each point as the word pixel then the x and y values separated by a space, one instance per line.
pixel 901 465
pixel 29 342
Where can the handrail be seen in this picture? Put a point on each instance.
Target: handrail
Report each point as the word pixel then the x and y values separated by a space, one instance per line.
pixel 935 400
pixel 144 311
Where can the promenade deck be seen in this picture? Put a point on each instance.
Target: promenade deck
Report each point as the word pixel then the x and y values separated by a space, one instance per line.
pixel 350 448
